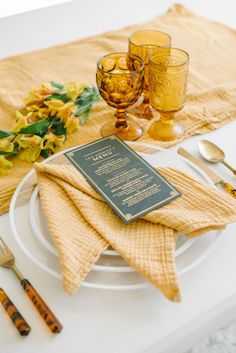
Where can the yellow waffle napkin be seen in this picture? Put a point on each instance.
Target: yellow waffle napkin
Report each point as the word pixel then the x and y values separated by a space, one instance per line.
pixel 211 84
pixel 82 225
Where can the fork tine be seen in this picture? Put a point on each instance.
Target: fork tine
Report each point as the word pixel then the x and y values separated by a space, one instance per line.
pixel 5 247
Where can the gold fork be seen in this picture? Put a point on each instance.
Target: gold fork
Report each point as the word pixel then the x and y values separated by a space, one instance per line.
pixel 7 260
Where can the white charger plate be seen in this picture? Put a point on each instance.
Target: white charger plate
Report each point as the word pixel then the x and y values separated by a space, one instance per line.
pixel 111 271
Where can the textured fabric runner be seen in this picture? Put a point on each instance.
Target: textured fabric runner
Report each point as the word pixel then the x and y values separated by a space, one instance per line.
pixel 82 225
pixel 211 101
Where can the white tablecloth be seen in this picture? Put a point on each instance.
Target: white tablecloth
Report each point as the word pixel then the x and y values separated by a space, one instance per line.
pixel 118 322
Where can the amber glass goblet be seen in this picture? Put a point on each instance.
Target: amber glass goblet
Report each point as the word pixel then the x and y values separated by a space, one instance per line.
pixel 143 43
pixel 168 73
pixel 120 78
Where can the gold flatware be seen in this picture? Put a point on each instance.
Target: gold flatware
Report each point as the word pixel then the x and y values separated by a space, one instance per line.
pixel 212 153
pixel 7 260
pixel 211 174
pixel 16 317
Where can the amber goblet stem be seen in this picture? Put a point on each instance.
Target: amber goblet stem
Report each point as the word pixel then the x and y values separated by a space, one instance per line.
pixel 167 117
pixel 146 95
pixel 121 117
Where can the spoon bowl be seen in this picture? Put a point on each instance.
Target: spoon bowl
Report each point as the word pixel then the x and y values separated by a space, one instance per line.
pixel 213 154
pixel 210 151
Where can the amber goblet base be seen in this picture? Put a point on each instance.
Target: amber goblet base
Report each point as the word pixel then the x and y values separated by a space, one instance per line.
pixel 130 131
pixel 166 129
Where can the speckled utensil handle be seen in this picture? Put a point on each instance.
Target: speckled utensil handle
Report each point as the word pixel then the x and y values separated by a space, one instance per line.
pixel 52 322
pixel 230 189
pixel 16 317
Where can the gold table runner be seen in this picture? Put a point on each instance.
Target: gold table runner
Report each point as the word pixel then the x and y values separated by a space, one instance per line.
pixel 211 100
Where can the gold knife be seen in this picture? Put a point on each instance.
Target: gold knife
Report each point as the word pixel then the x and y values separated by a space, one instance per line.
pixel 211 174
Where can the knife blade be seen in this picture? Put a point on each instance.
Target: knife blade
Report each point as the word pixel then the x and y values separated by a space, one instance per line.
pixel 211 174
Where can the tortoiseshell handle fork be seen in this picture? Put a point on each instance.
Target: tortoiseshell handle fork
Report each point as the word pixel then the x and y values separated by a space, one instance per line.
pixel 16 317
pixel 52 322
pixel 7 260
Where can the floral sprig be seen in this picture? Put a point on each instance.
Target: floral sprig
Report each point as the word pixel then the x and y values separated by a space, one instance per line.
pixel 51 112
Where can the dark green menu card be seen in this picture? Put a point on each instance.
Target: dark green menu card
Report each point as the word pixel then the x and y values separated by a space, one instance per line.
pixel 130 185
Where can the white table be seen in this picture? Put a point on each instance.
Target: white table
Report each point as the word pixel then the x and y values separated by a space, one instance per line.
pixel 118 322
pixel 13 7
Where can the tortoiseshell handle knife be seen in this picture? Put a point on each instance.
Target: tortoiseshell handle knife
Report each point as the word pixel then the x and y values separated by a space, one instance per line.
pixel 211 174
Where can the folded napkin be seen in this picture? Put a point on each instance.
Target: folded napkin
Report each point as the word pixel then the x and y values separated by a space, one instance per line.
pixel 211 85
pixel 82 225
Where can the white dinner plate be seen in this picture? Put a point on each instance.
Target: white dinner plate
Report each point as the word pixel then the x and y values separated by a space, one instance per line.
pixel 111 271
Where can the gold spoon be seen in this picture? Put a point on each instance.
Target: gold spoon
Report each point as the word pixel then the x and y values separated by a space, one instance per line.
pixel 213 154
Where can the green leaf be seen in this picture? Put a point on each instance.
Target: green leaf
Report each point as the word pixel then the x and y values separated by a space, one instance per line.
pixel 83 99
pixel 4 133
pixel 58 127
pixel 85 116
pixel 90 95
pixel 60 92
pixel 88 90
pixel 56 84
pixel 96 94
pixel 3 153
pixel 62 97
pixel 39 128
pixel 44 153
pixel 82 109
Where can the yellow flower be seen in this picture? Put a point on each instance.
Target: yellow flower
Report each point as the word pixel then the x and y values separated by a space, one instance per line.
pixel 74 90
pixel 5 166
pixel 35 113
pixel 38 95
pixel 29 141
pixel 30 155
pixel 54 106
pixel 54 103
pixel 33 98
pixel 21 122
pixel 72 124
pixel 51 141
pixel 32 145
pixel 66 111
pixel 6 145
pixel 45 89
